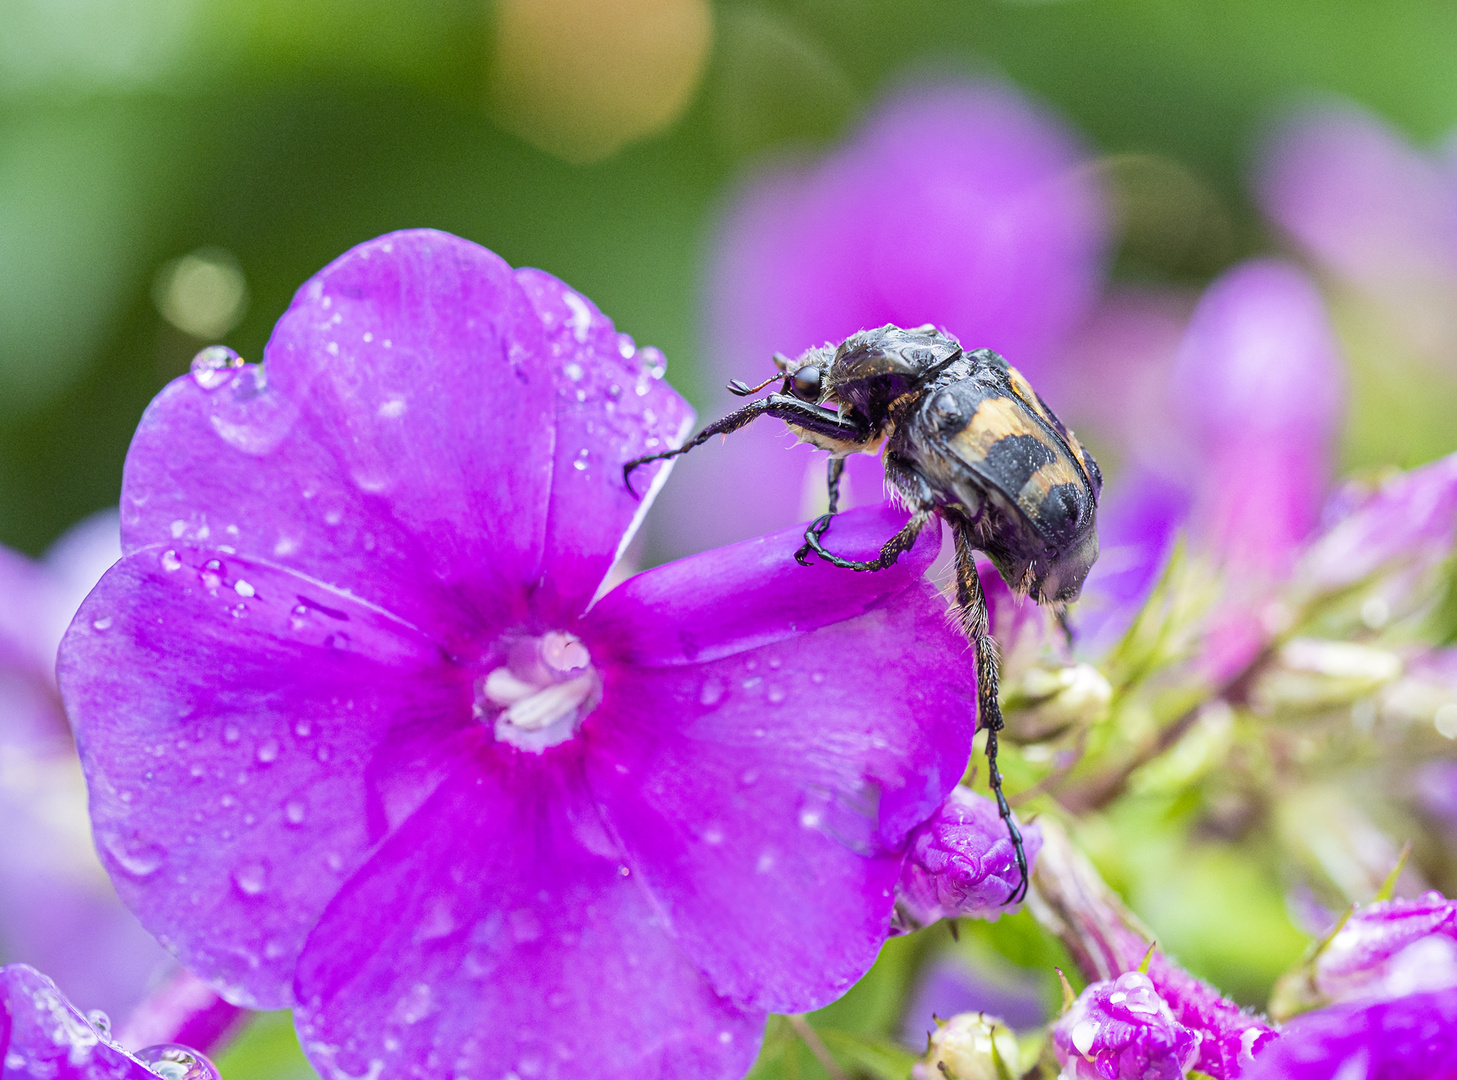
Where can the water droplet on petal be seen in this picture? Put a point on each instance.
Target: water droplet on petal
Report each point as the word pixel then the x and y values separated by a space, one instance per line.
pixel 242 588
pixel 231 733
pixel 171 1061
pixel 749 777
pixel 267 752
pixel 214 366
pixel 626 346
pixel 711 693
pixel 294 811
pixel 251 878
pixel 139 860
pixel 103 623
pixel 101 1022
pixel 170 561
pixel 776 695
pixel 653 361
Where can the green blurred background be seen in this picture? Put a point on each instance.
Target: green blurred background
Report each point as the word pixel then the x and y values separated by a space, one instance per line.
pixel 257 139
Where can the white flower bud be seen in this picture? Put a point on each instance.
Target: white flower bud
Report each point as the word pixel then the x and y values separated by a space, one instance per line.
pixel 970 1046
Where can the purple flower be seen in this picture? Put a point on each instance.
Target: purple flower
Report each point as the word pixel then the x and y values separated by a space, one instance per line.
pixel 44 1037
pixel 1409 1038
pixel 957 203
pixel 1377 212
pixel 358 740
pixel 1390 949
pixel 959 864
pixel 1230 1036
pixel 1257 388
pixel 57 910
pixel 1120 1029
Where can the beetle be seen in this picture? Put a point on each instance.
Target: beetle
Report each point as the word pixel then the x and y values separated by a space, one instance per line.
pixel 963 436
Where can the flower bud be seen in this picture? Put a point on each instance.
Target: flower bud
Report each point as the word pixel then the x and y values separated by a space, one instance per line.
pixel 1309 675
pixel 969 1046
pixel 960 862
pixel 1121 1029
pixel 1389 949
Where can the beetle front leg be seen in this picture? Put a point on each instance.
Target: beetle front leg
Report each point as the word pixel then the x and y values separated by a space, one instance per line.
pixel 974 623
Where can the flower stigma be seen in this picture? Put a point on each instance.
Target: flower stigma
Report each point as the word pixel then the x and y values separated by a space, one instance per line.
pixel 539 697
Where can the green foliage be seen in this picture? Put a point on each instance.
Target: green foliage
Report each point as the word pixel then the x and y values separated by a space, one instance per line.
pixel 267 1049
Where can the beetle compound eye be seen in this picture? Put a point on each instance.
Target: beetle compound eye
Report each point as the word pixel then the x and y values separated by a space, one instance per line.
pixel 805 383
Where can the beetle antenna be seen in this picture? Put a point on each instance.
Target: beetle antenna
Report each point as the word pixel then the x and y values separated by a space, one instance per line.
pixel 739 388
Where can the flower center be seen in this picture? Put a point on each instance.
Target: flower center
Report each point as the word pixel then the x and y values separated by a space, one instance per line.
pixel 540 696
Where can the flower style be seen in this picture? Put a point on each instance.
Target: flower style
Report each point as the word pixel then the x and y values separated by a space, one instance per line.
pixel 44 1037
pixel 1121 1029
pixel 956 203
pixel 959 864
pixel 358 740
pixel 57 910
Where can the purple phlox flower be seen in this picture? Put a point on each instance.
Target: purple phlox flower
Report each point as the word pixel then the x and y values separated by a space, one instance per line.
pixel 1008 257
pixel 357 743
pixel 949 985
pixel 44 1037
pixel 959 863
pixel 57 909
pixel 1230 1036
pixel 1389 949
pixel 1408 1038
pixel 1257 388
pixel 1403 525
pixel 1121 1029
pixel 1373 210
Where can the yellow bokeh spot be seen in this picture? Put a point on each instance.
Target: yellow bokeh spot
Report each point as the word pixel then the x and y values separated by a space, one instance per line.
pixel 580 78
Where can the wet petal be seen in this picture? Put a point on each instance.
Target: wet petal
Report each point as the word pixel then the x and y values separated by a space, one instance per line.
pixel 248 734
pixel 44 1037
pixel 743 783
pixel 612 406
pixel 1413 1036
pixel 498 932
pixel 752 593
pixel 398 444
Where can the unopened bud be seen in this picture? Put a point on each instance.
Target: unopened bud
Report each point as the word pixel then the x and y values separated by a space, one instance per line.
pixel 960 862
pixel 1310 674
pixel 1047 701
pixel 1121 1029
pixel 970 1046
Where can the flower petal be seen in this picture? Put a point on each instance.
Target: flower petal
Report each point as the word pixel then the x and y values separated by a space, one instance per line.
pixel 496 934
pixel 764 792
pixel 248 735
pixel 1413 1036
pixel 44 1037
pixel 752 593
pixel 612 406
pixel 397 445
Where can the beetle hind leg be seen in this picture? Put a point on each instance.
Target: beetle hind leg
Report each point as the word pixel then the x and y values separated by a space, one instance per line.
pixel 989 710
pixel 890 551
pixel 820 524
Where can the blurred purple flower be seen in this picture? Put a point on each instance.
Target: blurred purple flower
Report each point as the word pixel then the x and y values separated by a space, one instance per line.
pixel 44 1037
pixel 1257 388
pixel 57 910
pixel 1374 211
pixel 960 204
pixel 950 984
pixel 1409 1038
pixel 959 863
pixel 1121 1029
pixel 357 742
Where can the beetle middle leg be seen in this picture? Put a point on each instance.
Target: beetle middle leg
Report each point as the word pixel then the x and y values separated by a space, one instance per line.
pixel 890 551
pixel 974 623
